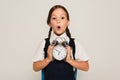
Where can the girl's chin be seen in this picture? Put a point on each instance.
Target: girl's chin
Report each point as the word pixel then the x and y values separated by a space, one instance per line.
pixel 58 34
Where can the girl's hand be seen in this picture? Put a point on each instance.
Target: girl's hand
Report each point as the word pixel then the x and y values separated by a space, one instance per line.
pixel 69 53
pixel 49 52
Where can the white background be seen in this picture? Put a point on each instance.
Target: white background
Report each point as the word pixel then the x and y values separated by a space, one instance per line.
pixel 95 23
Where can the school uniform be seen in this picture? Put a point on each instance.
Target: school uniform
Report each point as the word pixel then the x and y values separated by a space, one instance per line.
pixel 60 70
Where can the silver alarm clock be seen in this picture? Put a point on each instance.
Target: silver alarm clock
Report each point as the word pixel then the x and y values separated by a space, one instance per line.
pixel 59 51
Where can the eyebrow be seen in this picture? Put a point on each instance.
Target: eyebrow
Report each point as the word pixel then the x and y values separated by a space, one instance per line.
pixel 60 15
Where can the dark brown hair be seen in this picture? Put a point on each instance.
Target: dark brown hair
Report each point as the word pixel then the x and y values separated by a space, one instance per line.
pixel 49 17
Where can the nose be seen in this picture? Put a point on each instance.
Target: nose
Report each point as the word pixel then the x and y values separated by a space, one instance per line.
pixel 58 20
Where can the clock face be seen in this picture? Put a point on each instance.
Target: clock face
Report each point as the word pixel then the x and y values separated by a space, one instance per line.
pixel 59 52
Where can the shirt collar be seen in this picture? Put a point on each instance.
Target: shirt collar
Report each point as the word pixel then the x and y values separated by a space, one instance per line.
pixel 54 37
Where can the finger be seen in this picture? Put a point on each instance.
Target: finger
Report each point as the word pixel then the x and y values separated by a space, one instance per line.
pixel 68 47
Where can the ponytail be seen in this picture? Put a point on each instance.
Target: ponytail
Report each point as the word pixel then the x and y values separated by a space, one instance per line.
pixel 68 32
pixel 50 32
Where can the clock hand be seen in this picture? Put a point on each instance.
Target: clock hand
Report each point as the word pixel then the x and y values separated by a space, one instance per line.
pixel 60 51
pixel 57 50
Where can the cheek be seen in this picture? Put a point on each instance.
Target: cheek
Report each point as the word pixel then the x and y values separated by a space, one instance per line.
pixel 53 23
pixel 65 24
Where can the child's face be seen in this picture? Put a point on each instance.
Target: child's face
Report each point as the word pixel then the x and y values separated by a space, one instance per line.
pixel 59 21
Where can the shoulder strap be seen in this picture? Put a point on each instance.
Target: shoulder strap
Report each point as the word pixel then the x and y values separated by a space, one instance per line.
pixel 47 43
pixel 72 44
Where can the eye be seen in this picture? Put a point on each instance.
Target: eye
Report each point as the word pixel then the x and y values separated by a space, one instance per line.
pixel 62 17
pixel 53 18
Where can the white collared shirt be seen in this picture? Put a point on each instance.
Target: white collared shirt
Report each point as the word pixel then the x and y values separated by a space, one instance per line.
pixel 80 53
pixel 63 36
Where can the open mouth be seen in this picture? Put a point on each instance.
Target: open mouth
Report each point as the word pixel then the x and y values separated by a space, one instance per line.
pixel 58 27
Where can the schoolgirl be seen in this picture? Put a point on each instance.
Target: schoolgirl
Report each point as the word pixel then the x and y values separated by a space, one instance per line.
pixel 76 57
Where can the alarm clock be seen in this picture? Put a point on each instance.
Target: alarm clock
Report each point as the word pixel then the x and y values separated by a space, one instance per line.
pixel 59 51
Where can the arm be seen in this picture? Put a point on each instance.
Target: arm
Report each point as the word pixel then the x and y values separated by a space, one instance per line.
pixel 81 65
pixel 39 65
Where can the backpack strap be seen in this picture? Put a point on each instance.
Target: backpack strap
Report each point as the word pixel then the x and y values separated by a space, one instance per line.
pixel 42 74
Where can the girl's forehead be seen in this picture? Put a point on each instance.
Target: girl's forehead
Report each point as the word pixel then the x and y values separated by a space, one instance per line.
pixel 59 11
